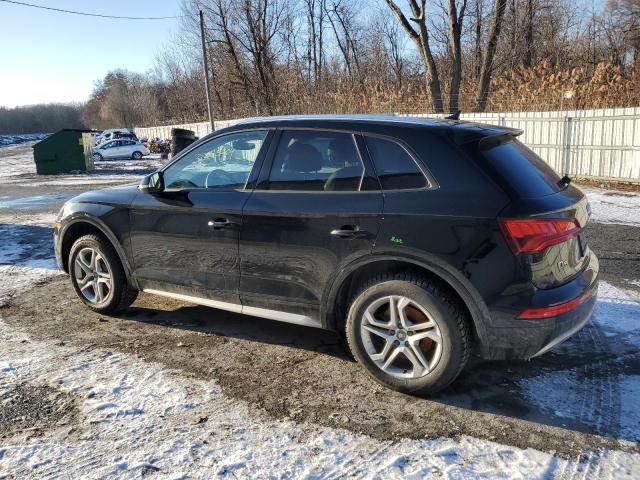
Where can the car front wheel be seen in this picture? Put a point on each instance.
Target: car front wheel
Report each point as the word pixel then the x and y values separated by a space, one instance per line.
pixel 97 157
pixel 409 333
pixel 98 276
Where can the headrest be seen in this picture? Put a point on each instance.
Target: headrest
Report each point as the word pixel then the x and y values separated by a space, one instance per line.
pixel 302 158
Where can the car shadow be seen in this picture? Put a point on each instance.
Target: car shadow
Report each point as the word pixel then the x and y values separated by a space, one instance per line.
pixel 242 327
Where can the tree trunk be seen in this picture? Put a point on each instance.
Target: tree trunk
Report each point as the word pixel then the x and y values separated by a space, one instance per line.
pixel 421 39
pixel 528 38
pixel 478 45
pixel 455 30
pixel 487 63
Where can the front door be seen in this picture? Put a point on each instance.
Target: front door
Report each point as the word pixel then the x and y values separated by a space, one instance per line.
pixel 185 240
pixel 316 209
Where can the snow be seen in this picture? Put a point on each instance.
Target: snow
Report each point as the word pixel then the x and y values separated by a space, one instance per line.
pixel 614 207
pixel 617 314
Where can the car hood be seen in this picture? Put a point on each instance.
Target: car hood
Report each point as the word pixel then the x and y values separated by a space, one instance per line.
pixel 121 195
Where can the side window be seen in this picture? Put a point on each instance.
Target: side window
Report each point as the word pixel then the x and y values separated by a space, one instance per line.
pixel 223 162
pixel 396 169
pixel 316 161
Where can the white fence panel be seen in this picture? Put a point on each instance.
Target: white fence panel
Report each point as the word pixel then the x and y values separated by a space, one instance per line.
pixel 584 143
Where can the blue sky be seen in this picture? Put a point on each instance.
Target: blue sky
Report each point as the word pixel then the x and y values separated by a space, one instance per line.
pixel 56 57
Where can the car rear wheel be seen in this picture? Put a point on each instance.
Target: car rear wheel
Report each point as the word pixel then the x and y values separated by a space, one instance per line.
pixel 408 333
pixel 136 155
pixel 97 157
pixel 98 276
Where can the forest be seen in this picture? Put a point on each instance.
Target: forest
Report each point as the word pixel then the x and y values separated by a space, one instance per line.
pixel 42 118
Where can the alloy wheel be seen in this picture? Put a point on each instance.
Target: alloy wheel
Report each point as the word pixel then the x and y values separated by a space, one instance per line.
pixel 400 337
pixel 93 275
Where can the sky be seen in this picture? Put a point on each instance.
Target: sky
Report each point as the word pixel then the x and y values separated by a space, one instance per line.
pixel 48 56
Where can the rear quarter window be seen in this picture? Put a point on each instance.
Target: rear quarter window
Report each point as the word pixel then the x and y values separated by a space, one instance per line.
pixel 522 170
pixel 394 166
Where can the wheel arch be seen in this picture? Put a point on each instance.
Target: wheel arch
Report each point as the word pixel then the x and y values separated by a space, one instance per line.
pixel 345 283
pixel 78 227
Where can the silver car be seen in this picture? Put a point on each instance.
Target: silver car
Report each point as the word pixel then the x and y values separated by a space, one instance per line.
pixel 120 148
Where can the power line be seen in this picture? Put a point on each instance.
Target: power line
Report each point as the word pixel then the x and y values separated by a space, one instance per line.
pixel 87 14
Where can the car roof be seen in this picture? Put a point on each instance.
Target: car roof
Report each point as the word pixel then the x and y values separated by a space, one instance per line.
pixel 462 131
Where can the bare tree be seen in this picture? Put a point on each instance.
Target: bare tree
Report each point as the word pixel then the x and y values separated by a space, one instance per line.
pixel 420 38
pixel 487 62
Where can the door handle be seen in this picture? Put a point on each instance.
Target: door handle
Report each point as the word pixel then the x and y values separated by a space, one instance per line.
pixel 220 223
pixel 347 231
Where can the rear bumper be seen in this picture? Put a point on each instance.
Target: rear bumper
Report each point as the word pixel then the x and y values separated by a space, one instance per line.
pixel 512 338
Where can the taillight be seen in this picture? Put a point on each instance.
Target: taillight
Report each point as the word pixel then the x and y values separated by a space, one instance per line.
pixel 534 235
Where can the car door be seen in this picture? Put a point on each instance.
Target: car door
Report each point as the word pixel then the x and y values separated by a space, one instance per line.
pixel 316 207
pixel 127 149
pixel 185 240
pixel 108 150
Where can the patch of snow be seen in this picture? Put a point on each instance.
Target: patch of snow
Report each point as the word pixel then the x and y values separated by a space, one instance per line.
pixel 621 208
pixel 617 314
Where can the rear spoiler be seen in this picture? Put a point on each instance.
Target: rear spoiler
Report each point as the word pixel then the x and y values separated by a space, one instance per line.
pixel 487 143
pixel 483 136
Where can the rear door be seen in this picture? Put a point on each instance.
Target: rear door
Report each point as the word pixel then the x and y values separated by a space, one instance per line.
pixel 316 207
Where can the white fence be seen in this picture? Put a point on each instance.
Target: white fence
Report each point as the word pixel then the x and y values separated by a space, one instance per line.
pixel 583 143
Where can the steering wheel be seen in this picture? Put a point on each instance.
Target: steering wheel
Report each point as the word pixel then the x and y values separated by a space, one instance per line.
pixel 183 183
pixel 223 175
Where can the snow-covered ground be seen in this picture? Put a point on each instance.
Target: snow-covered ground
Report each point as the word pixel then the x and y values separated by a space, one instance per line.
pixel 612 207
pixel 138 418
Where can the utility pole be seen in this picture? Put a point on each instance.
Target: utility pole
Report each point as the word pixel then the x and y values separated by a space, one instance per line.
pixel 206 70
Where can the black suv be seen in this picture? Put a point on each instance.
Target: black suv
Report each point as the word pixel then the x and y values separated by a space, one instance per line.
pixel 421 240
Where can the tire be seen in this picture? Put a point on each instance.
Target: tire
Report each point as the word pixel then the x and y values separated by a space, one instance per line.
pixel 97 275
pixel 96 157
pixel 136 155
pixel 434 322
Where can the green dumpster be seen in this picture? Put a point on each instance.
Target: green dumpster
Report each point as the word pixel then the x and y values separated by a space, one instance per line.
pixel 62 152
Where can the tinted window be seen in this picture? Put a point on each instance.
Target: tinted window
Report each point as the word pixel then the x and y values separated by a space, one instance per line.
pixel 223 162
pixel 522 170
pixel 394 166
pixel 320 161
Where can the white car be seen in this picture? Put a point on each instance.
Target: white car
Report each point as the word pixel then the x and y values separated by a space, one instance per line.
pixel 120 148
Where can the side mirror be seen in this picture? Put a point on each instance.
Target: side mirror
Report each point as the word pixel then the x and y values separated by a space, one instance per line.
pixel 152 183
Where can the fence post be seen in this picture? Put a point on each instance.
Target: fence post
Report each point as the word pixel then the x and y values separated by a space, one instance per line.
pixel 568 130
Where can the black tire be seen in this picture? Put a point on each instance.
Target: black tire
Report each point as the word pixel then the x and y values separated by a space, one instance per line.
pixel 120 295
pixel 446 312
pixel 96 157
pixel 136 155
